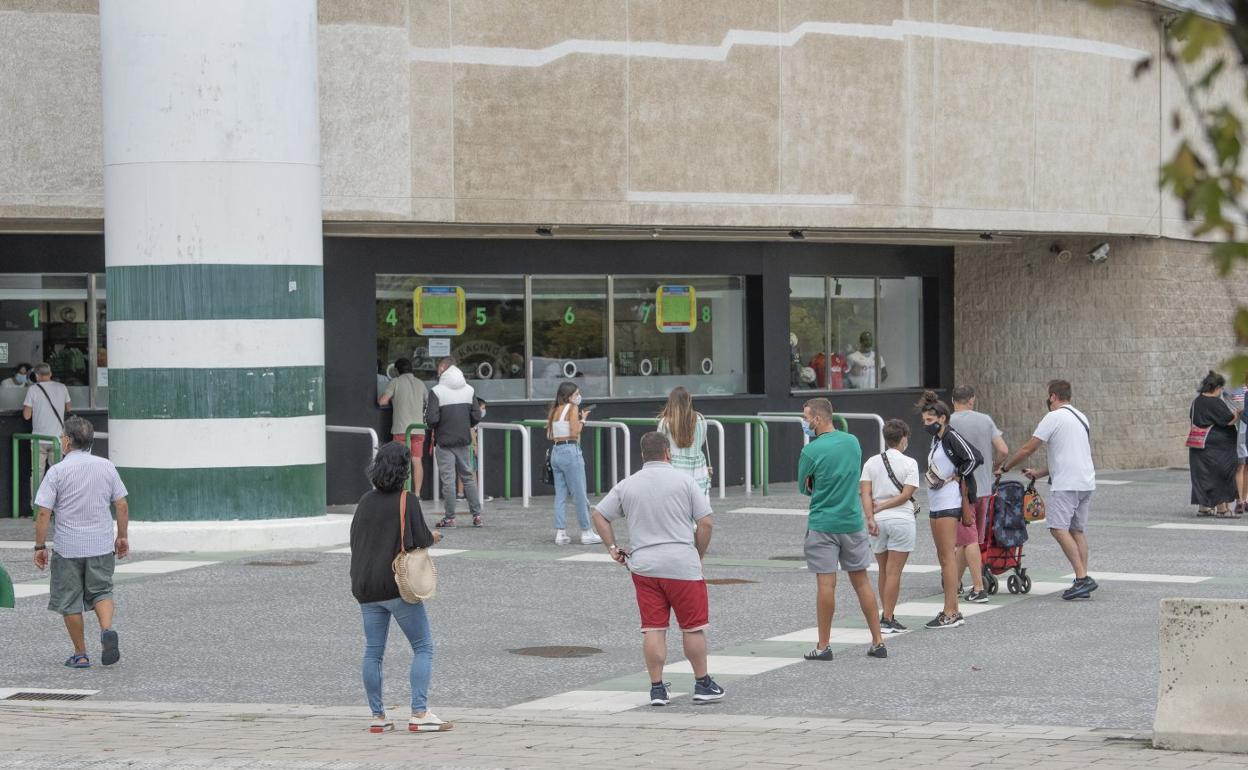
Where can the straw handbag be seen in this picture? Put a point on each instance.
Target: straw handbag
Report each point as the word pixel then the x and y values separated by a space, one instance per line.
pixel 414 572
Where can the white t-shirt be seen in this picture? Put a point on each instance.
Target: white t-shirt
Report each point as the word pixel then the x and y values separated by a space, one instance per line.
pixel 862 369
pixel 949 496
pixel 882 487
pixel 1070 450
pixel 47 414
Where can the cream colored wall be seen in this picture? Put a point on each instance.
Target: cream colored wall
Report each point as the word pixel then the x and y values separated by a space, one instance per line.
pixel 470 111
pixel 1133 335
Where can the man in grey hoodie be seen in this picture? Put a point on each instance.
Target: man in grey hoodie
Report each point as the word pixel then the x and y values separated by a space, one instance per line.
pixel 452 411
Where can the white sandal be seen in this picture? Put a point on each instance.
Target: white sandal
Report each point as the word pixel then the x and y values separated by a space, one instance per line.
pixel 381 725
pixel 429 724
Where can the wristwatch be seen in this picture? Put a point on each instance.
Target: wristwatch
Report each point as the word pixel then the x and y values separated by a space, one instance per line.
pixel 41 547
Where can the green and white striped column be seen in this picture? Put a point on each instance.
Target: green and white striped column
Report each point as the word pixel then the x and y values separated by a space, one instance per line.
pixel 212 201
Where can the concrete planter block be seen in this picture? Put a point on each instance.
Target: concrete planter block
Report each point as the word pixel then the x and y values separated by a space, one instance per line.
pixel 1202 696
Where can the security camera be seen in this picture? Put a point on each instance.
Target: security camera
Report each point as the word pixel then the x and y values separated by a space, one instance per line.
pixel 1099 254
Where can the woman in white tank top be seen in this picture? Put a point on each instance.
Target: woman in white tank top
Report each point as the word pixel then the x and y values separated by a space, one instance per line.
pixel 564 421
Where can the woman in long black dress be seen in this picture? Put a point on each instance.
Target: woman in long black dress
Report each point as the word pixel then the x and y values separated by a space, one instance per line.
pixel 1213 468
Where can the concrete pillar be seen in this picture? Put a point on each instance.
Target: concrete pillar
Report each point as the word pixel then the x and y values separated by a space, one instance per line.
pixel 212 202
pixel 1202 694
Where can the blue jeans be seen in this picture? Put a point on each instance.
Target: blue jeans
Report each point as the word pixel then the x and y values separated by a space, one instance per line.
pixel 569 466
pixel 415 625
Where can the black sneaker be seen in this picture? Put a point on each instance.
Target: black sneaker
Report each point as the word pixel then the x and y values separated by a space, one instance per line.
pixel 898 628
pixel 886 625
pixel 1077 590
pixel 1088 582
pixel 877 651
pixel 945 621
pixel 818 654
pixel 659 695
pixel 705 690
pixel 962 590
pixel 976 597
pixel 476 521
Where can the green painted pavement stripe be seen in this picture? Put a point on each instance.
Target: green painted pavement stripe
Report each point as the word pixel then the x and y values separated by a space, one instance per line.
pixel 189 394
pixel 214 292
pixel 207 494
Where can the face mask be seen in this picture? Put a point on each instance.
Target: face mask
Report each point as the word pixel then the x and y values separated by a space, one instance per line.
pixel 809 431
pixel 20 379
pixel 575 399
pixel 1048 405
pixel 933 429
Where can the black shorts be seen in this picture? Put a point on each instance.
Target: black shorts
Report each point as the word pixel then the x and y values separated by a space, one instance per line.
pixel 948 513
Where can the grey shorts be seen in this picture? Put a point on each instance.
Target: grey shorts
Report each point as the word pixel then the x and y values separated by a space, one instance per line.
pixel 1067 509
pixel 77 584
pixel 824 550
pixel 895 535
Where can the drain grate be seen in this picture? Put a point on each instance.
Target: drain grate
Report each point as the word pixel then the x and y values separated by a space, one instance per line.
pixel 280 563
pixel 47 696
pixel 787 558
pixel 728 582
pixel 560 651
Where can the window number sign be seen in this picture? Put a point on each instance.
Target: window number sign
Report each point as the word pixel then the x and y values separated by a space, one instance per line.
pixel 676 309
pixel 438 311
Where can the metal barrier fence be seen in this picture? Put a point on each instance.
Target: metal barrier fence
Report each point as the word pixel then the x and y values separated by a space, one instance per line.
pixel 844 418
pixel 36 474
pixel 716 424
pixel 757 464
pixel 372 434
pixel 613 426
pixel 526 468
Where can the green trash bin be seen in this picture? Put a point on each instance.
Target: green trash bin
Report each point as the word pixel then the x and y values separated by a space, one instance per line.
pixel 6 590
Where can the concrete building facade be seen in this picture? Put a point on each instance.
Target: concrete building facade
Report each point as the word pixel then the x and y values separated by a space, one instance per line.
pixel 972 136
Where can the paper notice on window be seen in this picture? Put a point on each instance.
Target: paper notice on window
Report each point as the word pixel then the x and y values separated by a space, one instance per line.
pixel 439 348
pixel 101 377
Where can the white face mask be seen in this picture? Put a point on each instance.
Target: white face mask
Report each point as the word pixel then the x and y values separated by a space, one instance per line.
pixel 20 379
pixel 576 399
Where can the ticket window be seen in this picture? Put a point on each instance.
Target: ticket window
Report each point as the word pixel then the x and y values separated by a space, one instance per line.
pixel 479 320
pixel 686 330
pixel 570 335
pixel 47 318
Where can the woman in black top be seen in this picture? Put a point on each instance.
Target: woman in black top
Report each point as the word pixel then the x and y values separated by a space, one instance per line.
pixel 374 544
pixel 1213 468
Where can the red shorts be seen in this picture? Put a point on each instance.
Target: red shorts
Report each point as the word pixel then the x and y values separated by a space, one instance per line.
pixel 657 597
pixel 418 443
pixel 974 535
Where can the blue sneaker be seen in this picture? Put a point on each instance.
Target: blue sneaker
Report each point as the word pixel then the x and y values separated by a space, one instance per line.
pixel 658 694
pixel 705 690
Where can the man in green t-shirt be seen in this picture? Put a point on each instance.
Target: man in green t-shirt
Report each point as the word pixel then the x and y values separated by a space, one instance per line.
pixel 836 532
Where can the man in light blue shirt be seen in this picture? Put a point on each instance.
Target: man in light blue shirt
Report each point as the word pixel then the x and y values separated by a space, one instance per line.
pixel 80 489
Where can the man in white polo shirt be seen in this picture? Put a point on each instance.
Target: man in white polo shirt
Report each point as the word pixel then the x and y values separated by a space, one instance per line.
pixel 80 489
pixel 1072 478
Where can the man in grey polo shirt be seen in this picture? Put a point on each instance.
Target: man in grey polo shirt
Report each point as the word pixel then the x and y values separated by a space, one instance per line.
pixel 669 527
pixel 80 490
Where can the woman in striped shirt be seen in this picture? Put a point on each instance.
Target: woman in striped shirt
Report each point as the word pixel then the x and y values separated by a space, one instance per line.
pixel 686 432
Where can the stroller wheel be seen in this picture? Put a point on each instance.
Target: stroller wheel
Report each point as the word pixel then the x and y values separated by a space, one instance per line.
pixel 990 582
pixel 1013 584
pixel 1026 584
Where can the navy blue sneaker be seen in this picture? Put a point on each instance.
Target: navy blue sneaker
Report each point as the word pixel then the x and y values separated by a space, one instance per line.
pixel 705 690
pixel 658 694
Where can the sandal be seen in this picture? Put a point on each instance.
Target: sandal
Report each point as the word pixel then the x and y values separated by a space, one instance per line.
pixel 1200 512
pixel 445 521
pixel 78 660
pixel 428 724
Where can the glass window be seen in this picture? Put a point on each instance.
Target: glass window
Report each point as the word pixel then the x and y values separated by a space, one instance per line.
pixel 853 332
pixel 44 318
pixel 808 329
pixel 489 348
pixel 901 331
pixel 709 359
pixel 569 335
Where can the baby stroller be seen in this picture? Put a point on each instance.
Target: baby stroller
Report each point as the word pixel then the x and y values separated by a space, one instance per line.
pixel 1005 531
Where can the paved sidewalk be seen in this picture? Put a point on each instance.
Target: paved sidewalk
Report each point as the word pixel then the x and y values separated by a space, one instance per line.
pixel 155 735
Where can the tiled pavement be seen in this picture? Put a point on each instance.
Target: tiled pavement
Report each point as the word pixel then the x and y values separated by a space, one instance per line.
pixel 151 735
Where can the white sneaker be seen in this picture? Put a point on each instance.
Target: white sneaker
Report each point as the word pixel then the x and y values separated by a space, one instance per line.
pixel 561 537
pixel 590 538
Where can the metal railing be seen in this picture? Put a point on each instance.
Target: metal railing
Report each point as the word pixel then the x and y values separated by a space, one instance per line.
pixel 372 434
pixel 716 424
pixel 757 464
pixel 36 472
pixel 600 425
pixel 526 468
pixel 842 417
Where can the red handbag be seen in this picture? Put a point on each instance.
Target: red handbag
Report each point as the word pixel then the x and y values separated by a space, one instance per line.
pixel 1196 435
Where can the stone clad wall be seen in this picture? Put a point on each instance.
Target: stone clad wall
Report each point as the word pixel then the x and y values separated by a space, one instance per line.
pixel 1133 335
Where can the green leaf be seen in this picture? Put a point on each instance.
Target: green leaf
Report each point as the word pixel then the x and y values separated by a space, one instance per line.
pixel 1211 74
pixel 1237 367
pixel 1197 35
pixel 1225 255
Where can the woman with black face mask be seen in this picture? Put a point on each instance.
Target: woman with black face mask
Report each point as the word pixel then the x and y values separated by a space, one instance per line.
pixel 951 463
